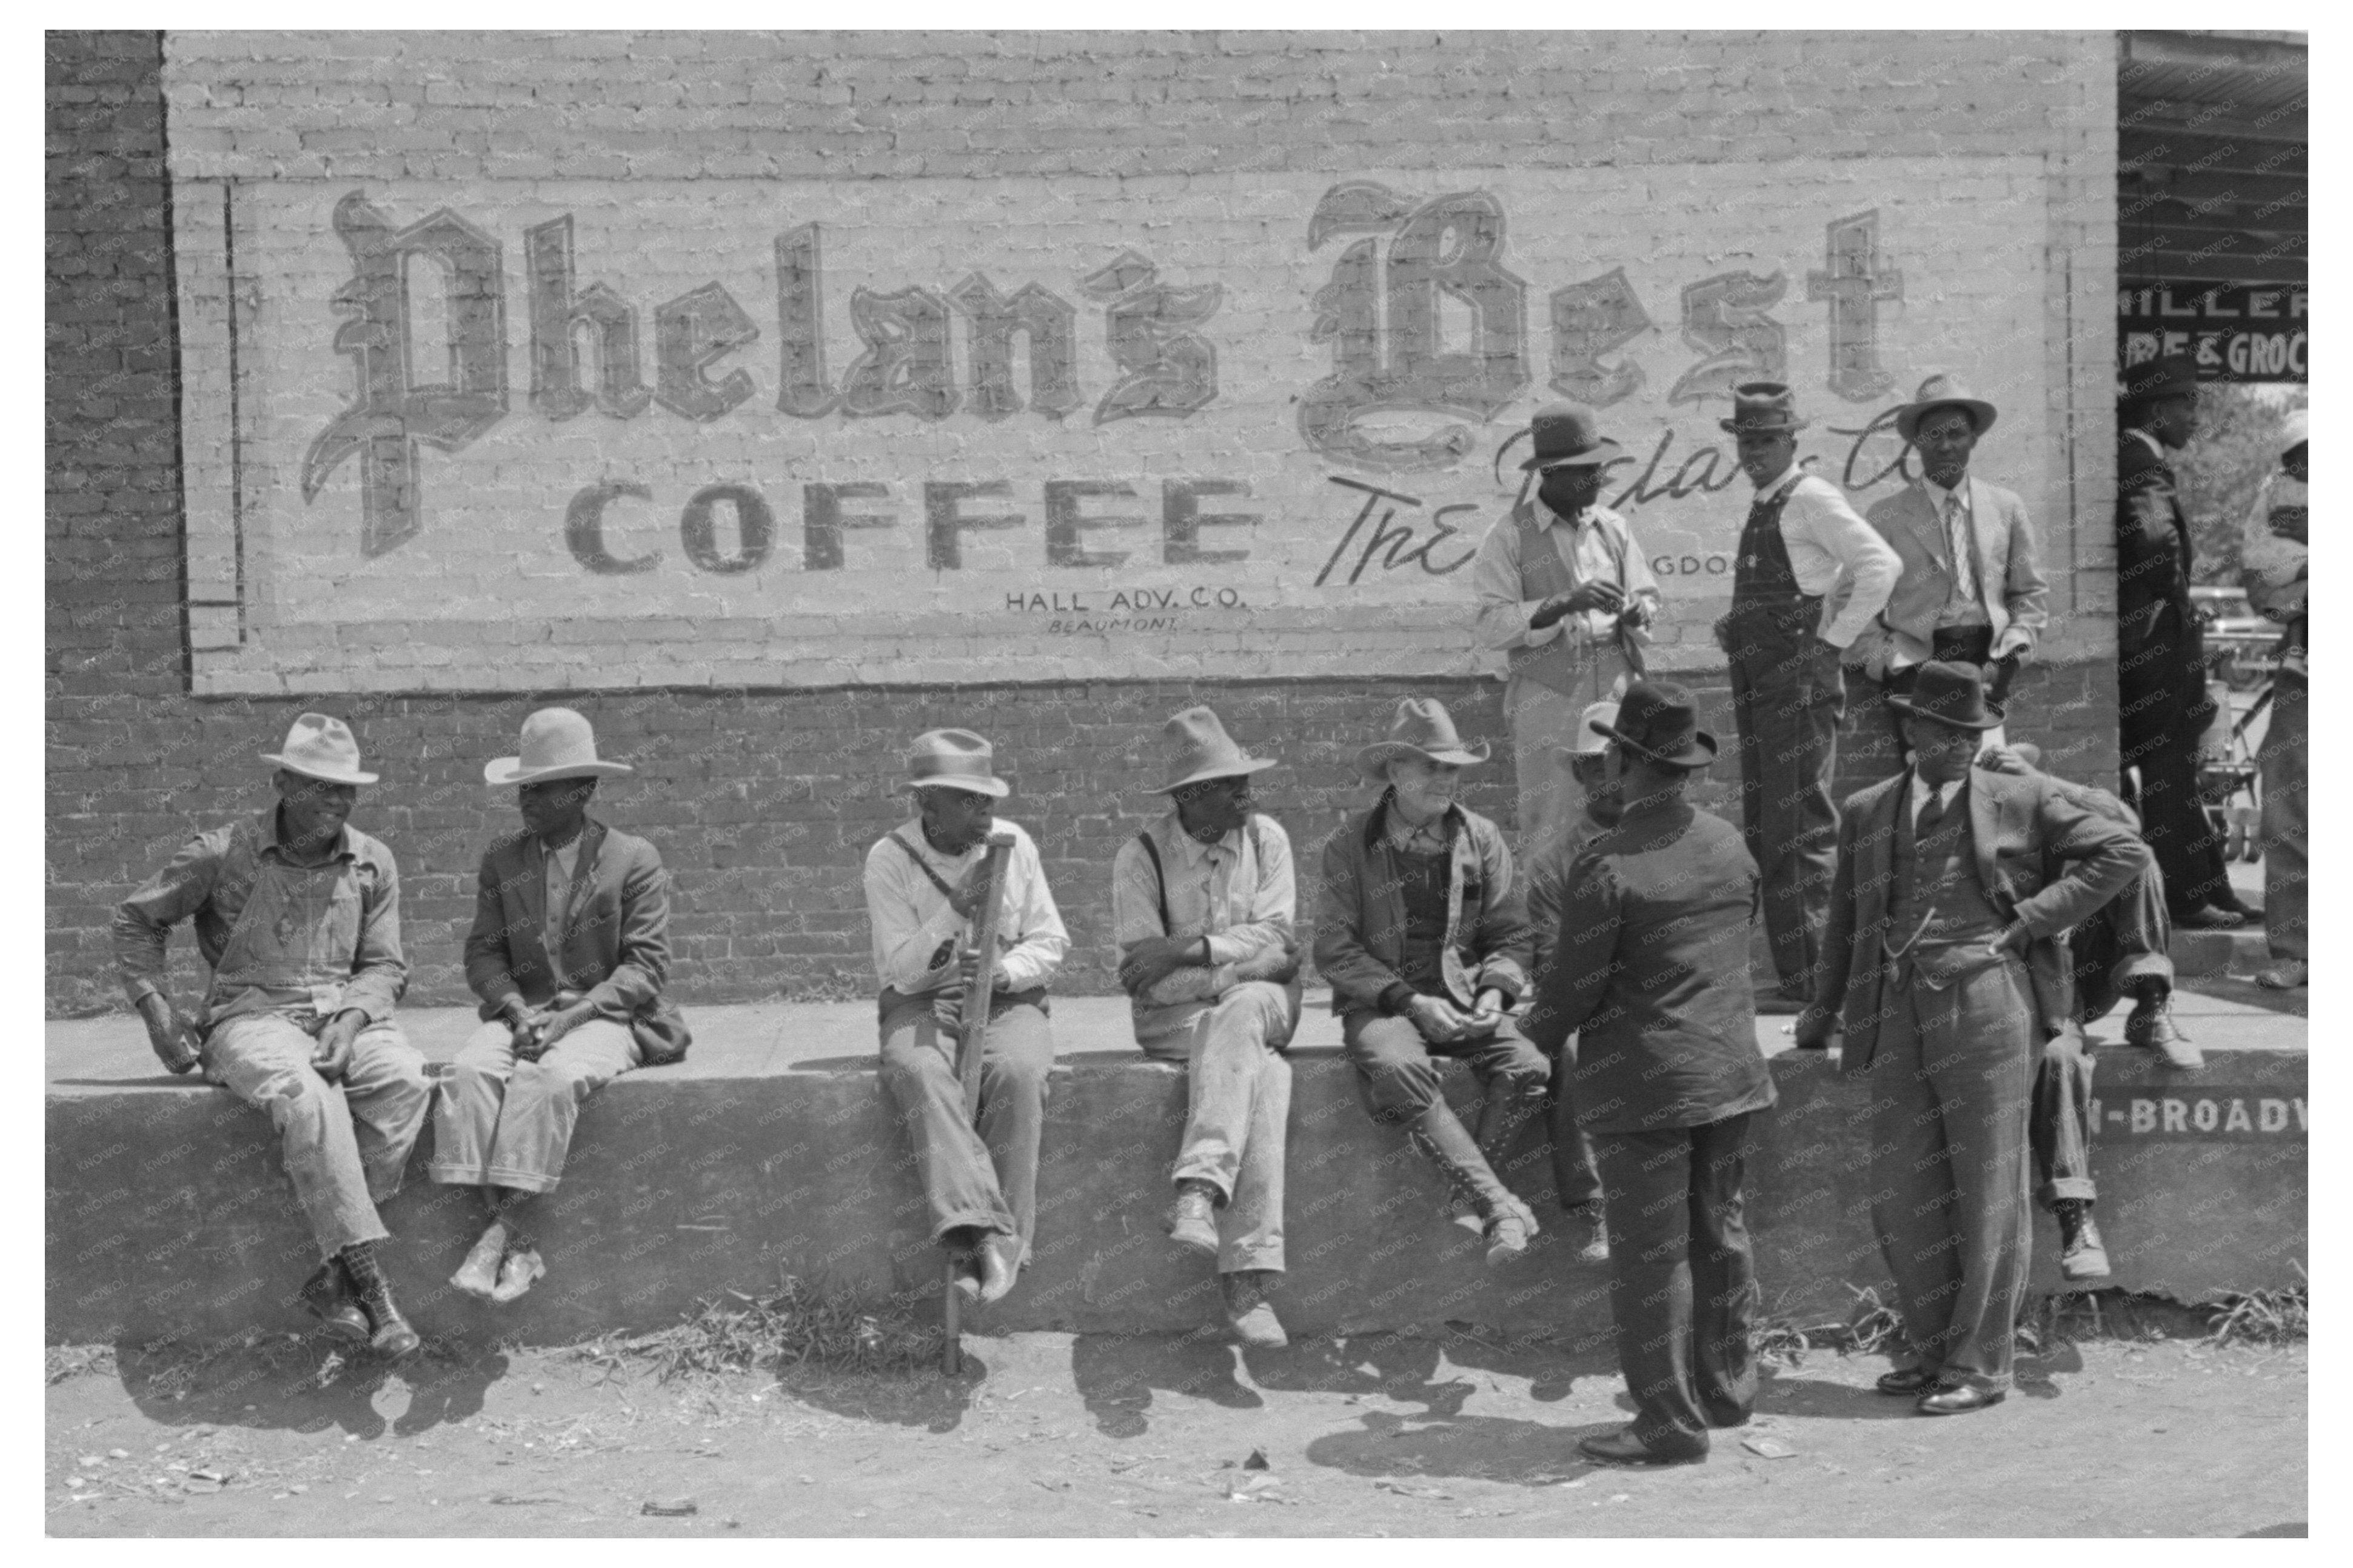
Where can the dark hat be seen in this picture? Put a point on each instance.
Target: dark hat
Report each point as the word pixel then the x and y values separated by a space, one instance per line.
pixel 1941 391
pixel 2172 376
pixel 1660 723
pixel 1951 694
pixel 1563 433
pixel 1763 405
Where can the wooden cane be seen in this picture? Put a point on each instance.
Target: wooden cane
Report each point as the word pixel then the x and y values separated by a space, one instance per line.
pixel 970 1028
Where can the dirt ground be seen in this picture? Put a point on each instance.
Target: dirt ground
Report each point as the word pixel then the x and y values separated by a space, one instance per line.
pixel 1100 1436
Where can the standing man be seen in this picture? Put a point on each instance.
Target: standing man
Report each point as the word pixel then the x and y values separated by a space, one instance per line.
pixel 1972 589
pixel 1203 904
pixel 1944 955
pixel 924 888
pixel 1574 1181
pixel 2162 703
pixel 1566 596
pixel 1652 972
pixel 297 914
pixel 2276 577
pixel 1810 576
pixel 570 945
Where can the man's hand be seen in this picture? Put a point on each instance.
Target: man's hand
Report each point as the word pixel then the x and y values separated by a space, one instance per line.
pixel 2014 641
pixel 524 1023
pixel 2015 939
pixel 2002 760
pixel 1155 959
pixel 169 1033
pixel 331 1056
pixel 1597 595
pixel 1814 1027
pixel 1437 1018
pixel 559 1022
pixel 1486 1015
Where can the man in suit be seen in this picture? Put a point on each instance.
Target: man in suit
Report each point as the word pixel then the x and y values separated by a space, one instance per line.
pixel 1944 955
pixel 569 948
pixel 1971 590
pixel 2163 706
pixel 1651 972
pixel 1566 596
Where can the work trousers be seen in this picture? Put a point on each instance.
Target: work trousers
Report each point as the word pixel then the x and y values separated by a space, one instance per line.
pixel 1788 698
pixel 1948 1084
pixel 505 1123
pixel 1574 1181
pixel 1551 800
pixel 1238 1106
pixel 344 1144
pixel 2059 1120
pixel 2286 818
pixel 1398 1079
pixel 1682 1282
pixel 986 1176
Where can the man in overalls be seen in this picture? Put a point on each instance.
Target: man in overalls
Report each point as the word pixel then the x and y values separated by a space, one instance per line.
pixel 298 916
pixel 1566 596
pixel 1810 576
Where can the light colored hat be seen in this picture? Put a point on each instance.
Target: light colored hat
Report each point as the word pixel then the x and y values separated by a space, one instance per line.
pixel 1198 748
pixel 320 747
pixel 957 759
pixel 1763 405
pixel 1589 741
pixel 1424 729
pixel 557 743
pixel 2295 432
pixel 1941 391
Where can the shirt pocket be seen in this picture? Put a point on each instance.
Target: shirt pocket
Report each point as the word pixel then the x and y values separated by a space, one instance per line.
pixel 338 940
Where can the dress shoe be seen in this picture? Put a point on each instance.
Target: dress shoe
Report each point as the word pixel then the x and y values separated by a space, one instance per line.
pixel 1589 1233
pixel 1909 1381
pixel 1248 1313
pixel 389 1334
pixel 1193 1221
pixel 1510 1227
pixel 2208 917
pixel 1622 1448
pixel 521 1269
pixel 1000 1267
pixel 2288 976
pixel 2151 1028
pixel 1960 1401
pixel 331 1302
pixel 2081 1256
pixel 479 1275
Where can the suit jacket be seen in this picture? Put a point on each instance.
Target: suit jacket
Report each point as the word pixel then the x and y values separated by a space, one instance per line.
pixel 2154 557
pixel 2003 548
pixel 2042 860
pixel 616 944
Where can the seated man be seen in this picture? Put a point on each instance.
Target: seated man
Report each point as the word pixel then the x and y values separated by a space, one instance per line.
pixel 297 914
pixel 1423 934
pixel 1203 904
pixel 924 881
pixel 570 943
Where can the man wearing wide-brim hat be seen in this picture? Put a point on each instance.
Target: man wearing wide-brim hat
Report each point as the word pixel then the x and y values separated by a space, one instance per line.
pixel 1972 589
pixel 568 954
pixel 1651 973
pixel 1566 596
pixel 1946 958
pixel 1423 933
pixel 1809 576
pixel 2162 703
pixel 1204 906
pixel 924 884
pixel 297 915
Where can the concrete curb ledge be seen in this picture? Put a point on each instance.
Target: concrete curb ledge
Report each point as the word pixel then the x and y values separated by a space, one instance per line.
pixel 773 1149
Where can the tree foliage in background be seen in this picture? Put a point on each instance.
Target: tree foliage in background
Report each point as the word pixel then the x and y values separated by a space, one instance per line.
pixel 2237 444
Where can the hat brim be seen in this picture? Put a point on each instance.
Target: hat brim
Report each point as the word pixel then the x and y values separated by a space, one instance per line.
pixel 1734 427
pixel 312 770
pixel 1378 756
pixel 1981 414
pixel 1698 754
pixel 507 771
pixel 995 789
pixel 1221 770
pixel 1905 706
pixel 1569 755
pixel 1605 451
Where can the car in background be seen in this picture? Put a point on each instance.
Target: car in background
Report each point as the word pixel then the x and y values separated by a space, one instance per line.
pixel 2239 641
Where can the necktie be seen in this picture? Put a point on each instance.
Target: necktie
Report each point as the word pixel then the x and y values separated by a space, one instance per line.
pixel 1957 544
pixel 1931 817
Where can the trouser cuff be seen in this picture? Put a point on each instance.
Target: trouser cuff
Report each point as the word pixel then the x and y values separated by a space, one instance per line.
pixel 2081 1188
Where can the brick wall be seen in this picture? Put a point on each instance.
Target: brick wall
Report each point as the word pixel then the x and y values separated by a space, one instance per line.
pixel 763 801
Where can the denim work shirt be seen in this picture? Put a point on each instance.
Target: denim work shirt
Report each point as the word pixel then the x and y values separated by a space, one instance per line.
pixel 1237 894
pixel 323 938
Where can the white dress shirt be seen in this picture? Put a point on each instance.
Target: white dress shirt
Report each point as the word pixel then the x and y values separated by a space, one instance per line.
pixel 911 918
pixel 1827 540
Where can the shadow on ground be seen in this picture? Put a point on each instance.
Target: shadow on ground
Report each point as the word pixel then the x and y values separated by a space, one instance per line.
pixel 306 1384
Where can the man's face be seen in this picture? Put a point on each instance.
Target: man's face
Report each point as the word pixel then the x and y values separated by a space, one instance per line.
pixel 1942 752
pixel 1569 488
pixel 1946 438
pixel 313 809
pixel 1592 772
pixel 1214 807
pixel 554 808
pixel 954 819
pixel 1425 787
pixel 1764 454
pixel 2174 420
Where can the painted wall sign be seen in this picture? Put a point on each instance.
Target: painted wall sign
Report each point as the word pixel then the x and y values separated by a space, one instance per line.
pixel 2208 1115
pixel 548 434
pixel 2238 331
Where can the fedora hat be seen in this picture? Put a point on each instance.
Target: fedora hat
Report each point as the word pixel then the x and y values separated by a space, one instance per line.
pixel 319 746
pixel 557 743
pixel 2168 375
pixel 1941 391
pixel 1198 748
pixel 957 759
pixel 1660 723
pixel 1763 405
pixel 1948 693
pixel 1563 435
pixel 1422 727
pixel 1591 725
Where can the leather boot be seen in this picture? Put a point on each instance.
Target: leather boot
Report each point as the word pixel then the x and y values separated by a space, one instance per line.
pixel 2081 1256
pixel 2150 1026
pixel 1501 1114
pixel 1509 1223
pixel 1193 1221
pixel 330 1301
pixel 392 1336
pixel 1248 1313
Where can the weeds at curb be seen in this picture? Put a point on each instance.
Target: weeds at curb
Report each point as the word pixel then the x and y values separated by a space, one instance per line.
pixel 803 1323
